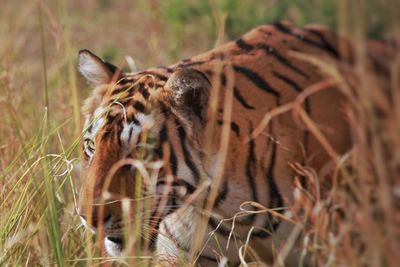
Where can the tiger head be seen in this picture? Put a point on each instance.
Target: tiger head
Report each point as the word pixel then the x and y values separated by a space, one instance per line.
pixel 132 122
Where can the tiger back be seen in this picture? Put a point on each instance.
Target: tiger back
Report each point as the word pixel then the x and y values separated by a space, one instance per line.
pixel 198 117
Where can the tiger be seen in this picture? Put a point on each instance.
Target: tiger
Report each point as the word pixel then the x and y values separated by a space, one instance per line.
pixel 181 116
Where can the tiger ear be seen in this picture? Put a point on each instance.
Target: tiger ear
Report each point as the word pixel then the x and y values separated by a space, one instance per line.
pixel 188 90
pixel 95 70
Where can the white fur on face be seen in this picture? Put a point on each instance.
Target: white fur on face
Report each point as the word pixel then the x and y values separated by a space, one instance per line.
pixel 182 226
pixel 113 249
pixel 130 132
pixel 97 122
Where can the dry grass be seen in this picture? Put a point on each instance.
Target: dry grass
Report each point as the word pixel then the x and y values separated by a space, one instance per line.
pixel 350 212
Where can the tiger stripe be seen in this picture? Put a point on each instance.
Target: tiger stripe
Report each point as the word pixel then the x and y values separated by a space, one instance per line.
pixel 257 80
pixel 236 93
pixel 241 99
pixel 287 80
pixel 249 172
pixel 324 46
pixel 186 153
pixel 270 51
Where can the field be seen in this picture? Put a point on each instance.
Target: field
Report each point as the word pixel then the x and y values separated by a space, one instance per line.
pixel 353 219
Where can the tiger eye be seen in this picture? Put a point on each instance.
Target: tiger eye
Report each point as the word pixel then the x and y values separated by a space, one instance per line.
pixel 90 145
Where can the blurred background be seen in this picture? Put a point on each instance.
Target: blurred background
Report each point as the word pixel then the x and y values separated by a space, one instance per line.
pixel 41 92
